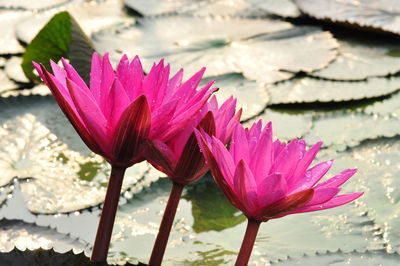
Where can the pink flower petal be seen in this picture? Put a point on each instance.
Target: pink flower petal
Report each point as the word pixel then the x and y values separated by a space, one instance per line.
pixel 90 113
pixel 271 189
pixel 323 195
pixel 117 102
pixel 339 179
pixel 245 185
pixel 160 156
pixel 133 126
pixel 73 75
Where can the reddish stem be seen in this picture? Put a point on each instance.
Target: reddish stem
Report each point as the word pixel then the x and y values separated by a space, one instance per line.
pixel 106 224
pixel 248 242
pixel 166 224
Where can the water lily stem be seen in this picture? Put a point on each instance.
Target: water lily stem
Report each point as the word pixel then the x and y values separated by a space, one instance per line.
pixel 106 224
pixel 248 242
pixel 166 224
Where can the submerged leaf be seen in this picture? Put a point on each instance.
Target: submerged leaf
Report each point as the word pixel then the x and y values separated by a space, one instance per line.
pixel 32 5
pixel 383 15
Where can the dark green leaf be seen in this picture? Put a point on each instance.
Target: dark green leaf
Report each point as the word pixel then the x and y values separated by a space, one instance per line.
pixel 61 37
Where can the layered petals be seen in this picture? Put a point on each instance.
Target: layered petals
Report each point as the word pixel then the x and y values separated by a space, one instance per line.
pixel 186 163
pixel 268 179
pixel 123 107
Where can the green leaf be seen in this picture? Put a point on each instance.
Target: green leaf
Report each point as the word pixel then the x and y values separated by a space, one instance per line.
pixel 211 212
pixel 61 37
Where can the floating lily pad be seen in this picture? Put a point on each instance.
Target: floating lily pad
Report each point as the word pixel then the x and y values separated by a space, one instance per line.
pixel 62 180
pixel 383 15
pixel 32 5
pixel 387 108
pixel 378 171
pixel 361 57
pixel 342 259
pixel 8 41
pixel 307 89
pixel 6 84
pixel 14 70
pixel 251 96
pixel 28 236
pixel 284 8
pixel 348 129
pixel 92 16
pixel 286 125
pixel 261 49
pixel 138 220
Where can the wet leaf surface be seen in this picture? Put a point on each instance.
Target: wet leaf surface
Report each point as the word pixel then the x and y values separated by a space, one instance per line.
pixel 8 42
pixel 14 70
pixel 378 169
pixel 91 15
pixel 344 129
pixel 32 5
pixel 360 57
pixel 196 240
pixel 341 259
pixel 252 97
pixel 308 89
pixel 383 15
pixel 28 236
pixel 284 8
pixel 6 84
pixel 261 49
pixel 286 125
pixel 61 180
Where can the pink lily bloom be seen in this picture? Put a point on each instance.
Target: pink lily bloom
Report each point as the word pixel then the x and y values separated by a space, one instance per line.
pixel 118 111
pixel 180 157
pixel 123 107
pixel 268 179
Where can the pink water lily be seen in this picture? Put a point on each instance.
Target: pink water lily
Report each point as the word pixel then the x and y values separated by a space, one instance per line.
pixel 180 157
pixel 118 111
pixel 269 179
pixel 122 107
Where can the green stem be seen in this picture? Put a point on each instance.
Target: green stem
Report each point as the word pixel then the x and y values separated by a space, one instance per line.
pixel 106 224
pixel 248 242
pixel 166 224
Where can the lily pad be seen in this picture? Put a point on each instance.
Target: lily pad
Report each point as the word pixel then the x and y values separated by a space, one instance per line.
pixel 382 15
pixel 361 57
pixel 138 220
pixel 32 5
pixel 341 130
pixel 263 50
pixel 286 125
pixel 6 84
pixel 342 259
pixel 92 16
pixel 387 108
pixel 61 37
pixel 8 42
pixel 14 70
pixel 308 89
pixel 284 8
pixel 28 236
pixel 251 96
pixel 378 164
pixel 61 180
